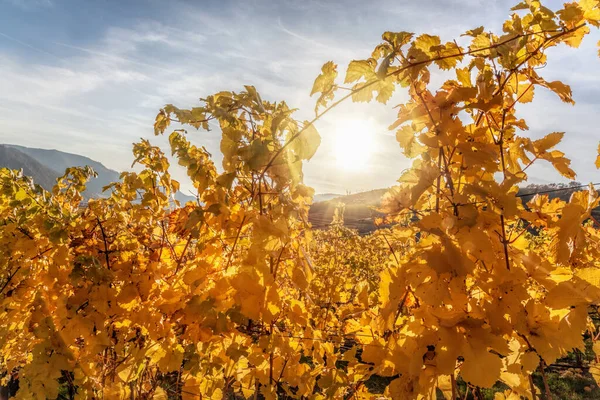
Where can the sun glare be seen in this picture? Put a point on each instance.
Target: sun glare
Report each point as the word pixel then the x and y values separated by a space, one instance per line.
pixel 354 144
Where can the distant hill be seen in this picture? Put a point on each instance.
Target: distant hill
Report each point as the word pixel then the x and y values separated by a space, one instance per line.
pixel 13 158
pixel 44 166
pixel 325 196
pixel 59 161
pixel 360 208
pixel 358 214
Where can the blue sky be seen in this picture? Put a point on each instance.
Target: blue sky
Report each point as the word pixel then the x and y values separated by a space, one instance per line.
pixel 88 77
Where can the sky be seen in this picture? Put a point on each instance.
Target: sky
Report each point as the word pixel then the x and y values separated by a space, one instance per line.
pixel 88 77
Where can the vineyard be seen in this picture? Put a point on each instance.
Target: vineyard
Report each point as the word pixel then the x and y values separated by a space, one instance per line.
pixel 465 291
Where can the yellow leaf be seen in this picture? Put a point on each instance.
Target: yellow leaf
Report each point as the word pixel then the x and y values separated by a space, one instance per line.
pixel 560 163
pixel 299 278
pixel 474 32
pixel 363 92
pixel 595 372
pixel 358 69
pixel 403 387
pixel 307 142
pixel 191 389
pixel 129 371
pixel 362 295
pixel 161 123
pixel 590 275
pixel 524 5
pixel 272 300
pixel 548 141
pixel 571 14
pixel 408 142
pixel 114 391
pixel 172 359
pixel 397 39
pixel 449 55
pixel 507 395
pixel 598 158
pixel 385 88
pixel 326 79
pixel 464 76
pixel 426 42
pixel 481 44
pixel 475 352
pixel 420 178
pixel 128 297
pixel 526 96
pixel 563 91
pixel 596 348
pixel 160 394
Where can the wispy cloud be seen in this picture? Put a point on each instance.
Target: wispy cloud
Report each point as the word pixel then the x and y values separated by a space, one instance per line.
pixel 112 56
pixel 306 40
pixel 27 45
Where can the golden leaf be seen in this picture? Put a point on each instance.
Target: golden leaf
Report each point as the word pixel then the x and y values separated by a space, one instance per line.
pixel 481 44
pixel 548 141
pixel 325 81
pixel 359 69
pixel 464 76
pixel 595 372
pixel 129 371
pixel 306 143
pixel 526 96
pixel 160 394
pixel 426 43
pixel 408 142
pixel 397 39
pixel 474 32
pixel 563 91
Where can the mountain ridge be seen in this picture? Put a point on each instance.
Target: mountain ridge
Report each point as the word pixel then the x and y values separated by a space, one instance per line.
pixel 46 165
pixel 59 161
pixel 15 159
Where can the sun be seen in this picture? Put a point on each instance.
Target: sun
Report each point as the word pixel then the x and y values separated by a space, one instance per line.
pixel 354 144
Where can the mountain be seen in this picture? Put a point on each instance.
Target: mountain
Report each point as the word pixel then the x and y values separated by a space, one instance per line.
pixel 60 161
pixel 44 166
pixel 359 210
pixel 13 158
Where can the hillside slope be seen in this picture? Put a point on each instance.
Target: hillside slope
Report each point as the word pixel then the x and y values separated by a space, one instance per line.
pixel 360 208
pixel 59 161
pixel 44 166
pixel 13 158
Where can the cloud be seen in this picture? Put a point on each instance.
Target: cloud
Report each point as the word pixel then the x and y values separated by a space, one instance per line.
pixel 27 45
